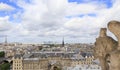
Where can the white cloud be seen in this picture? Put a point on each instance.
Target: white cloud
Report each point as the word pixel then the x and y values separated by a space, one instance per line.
pixel 6 7
pixel 5 24
pixel 5 28
pixel 48 18
pixel 77 9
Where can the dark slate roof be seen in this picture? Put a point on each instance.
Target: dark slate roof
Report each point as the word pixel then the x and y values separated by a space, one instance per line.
pixel 49 54
pixel 17 56
pixel 84 54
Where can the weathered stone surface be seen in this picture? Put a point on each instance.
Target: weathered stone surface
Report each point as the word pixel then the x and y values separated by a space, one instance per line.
pixel 103 46
pixel 115 60
pixel 107 49
pixel 114 27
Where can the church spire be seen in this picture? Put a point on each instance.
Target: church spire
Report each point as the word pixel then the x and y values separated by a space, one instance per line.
pixel 63 44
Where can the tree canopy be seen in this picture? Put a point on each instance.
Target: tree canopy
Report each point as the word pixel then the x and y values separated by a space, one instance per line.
pixel 2 54
pixel 5 66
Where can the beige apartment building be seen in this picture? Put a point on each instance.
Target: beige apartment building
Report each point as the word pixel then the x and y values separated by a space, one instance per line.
pixel 50 60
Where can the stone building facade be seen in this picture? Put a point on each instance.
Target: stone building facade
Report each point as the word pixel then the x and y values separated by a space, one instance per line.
pixel 50 60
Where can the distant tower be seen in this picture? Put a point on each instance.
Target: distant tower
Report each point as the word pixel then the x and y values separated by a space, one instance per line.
pixel 5 39
pixel 63 44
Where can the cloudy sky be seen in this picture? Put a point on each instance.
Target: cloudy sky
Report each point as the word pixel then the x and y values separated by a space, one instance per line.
pixel 36 21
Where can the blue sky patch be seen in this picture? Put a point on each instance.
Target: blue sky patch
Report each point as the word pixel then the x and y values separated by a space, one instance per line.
pixel 74 16
pixel 12 12
pixel 82 15
pixel 9 3
pixel 108 3
pixel 92 15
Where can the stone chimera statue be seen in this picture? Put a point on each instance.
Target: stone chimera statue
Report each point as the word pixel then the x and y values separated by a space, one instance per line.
pixel 107 49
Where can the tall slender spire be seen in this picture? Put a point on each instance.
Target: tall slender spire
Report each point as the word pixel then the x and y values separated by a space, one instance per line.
pixel 5 39
pixel 63 44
